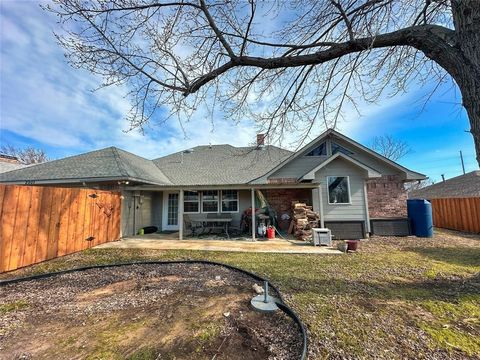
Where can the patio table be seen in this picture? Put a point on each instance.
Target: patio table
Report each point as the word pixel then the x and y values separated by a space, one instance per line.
pixel 214 219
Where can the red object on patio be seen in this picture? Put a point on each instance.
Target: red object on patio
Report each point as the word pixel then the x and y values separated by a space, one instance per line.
pixel 352 245
pixel 271 232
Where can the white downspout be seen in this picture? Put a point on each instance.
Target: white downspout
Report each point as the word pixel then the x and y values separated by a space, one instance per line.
pixel 320 200
pixel 253 214
pixel 180 215
pixel 367 214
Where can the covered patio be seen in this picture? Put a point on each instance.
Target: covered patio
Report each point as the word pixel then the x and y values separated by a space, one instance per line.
pixel 196 211
pixel 171 241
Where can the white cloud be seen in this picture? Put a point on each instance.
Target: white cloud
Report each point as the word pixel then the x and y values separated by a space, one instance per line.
pixel 44 99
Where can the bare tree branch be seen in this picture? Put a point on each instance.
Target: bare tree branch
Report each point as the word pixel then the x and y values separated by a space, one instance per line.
pixel 287 65
pixel 391 148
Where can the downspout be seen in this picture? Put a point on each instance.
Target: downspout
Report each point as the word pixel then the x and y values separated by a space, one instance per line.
pixel 320 200
pixel 134 214
pixel 367 214
pixel 180 215
pixel 253 214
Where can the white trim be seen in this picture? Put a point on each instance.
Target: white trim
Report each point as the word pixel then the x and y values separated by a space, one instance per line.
pixel 367 214
pixel 223 187
pixel 192 201
pixel 348 188
pixel 165 213
pixel 409 174
pixel 254 230
pixel 372 173
pixel 322 217
pixel 180 215
pixel 237 200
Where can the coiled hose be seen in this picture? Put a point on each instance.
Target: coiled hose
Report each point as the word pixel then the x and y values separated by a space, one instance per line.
pixel 281 303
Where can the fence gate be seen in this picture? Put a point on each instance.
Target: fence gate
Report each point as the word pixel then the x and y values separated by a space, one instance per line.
pixel 41 223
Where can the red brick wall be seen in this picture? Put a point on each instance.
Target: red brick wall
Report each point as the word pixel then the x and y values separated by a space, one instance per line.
pixel 387 197
pixel 281 200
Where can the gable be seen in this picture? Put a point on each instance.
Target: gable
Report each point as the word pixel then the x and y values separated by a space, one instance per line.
pixel 303 162
pixel 367 159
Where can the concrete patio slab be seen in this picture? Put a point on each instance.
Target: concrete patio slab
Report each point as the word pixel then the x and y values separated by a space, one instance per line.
pixel 170 242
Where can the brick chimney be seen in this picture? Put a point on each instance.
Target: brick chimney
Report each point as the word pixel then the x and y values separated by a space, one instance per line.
pixel 260 139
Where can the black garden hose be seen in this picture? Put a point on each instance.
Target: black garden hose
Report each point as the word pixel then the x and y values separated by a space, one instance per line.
pixel 281 303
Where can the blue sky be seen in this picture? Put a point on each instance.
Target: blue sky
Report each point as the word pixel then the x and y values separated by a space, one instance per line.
pixel 46 103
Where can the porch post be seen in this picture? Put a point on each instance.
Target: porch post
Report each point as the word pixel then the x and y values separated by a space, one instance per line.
pixel 180 215
pixel 367 214
pixel 320 200
pixel 253 214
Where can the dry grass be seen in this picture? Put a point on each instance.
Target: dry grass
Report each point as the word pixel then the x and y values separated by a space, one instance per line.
pixel 396 298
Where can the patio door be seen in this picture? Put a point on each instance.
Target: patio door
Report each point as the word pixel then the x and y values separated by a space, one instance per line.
pixel 170 211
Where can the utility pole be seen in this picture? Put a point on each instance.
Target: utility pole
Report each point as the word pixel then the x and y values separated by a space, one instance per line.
pixel 463 165
pixel 443 177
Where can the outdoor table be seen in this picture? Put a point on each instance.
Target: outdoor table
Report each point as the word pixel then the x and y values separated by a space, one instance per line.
pixel 214 219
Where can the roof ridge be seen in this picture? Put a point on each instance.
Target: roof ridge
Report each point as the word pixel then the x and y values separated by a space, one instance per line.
pixel 116 156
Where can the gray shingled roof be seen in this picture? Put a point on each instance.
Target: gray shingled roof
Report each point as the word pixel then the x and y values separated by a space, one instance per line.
pixel 220 164
pixel 109 163
pixel 7 166
pixel 467 185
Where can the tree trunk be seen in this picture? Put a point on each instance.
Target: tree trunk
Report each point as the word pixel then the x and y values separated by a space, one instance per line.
pixel 466 17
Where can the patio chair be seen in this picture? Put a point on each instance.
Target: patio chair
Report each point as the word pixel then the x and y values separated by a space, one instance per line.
pixel 195 227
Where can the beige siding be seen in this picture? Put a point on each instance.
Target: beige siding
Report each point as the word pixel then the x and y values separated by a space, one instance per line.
pixel 356 209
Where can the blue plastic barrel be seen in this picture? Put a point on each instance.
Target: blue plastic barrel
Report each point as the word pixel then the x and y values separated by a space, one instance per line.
pixel 420 215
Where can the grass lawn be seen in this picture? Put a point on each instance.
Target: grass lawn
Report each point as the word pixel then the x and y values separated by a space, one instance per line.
pixel 395 298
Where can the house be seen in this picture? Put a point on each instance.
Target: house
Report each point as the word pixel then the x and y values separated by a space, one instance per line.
pixel 9 163
pixel 463 186
pixel 345 182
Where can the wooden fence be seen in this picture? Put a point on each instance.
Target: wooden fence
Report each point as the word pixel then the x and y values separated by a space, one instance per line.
pixel 41 223
pixel 461 214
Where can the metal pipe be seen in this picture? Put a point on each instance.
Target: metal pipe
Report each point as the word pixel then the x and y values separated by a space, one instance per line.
pixel 265 291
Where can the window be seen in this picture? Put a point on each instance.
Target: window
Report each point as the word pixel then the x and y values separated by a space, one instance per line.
pixel 338 190
pixel 191 202
pixel 210 201
pixel 338 148
pixel 229 201
pixel 318 151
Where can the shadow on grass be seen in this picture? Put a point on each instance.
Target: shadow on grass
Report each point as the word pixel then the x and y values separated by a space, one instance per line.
pixel 463 256
pixel 449 290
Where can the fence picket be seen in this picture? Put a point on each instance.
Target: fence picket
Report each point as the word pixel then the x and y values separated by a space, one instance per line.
pixel 461 214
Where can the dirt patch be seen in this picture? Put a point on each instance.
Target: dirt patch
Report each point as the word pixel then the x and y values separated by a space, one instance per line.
pixel 175 311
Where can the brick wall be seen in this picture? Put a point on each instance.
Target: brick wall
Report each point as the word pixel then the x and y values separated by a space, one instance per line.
pixel 281 200
pixel 387 197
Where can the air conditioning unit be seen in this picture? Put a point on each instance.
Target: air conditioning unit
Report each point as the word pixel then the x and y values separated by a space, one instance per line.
pixel 322 236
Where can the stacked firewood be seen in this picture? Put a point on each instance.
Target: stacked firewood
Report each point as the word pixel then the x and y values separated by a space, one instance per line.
pixel 303 220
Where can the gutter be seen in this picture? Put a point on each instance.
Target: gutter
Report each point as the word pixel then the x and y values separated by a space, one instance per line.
pixel 77 180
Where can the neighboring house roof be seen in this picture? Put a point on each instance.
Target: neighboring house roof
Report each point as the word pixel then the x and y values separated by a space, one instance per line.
pixel 220 164
pixel 8 166
pixel 101 165
pixel 467 185
pixel 202 166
